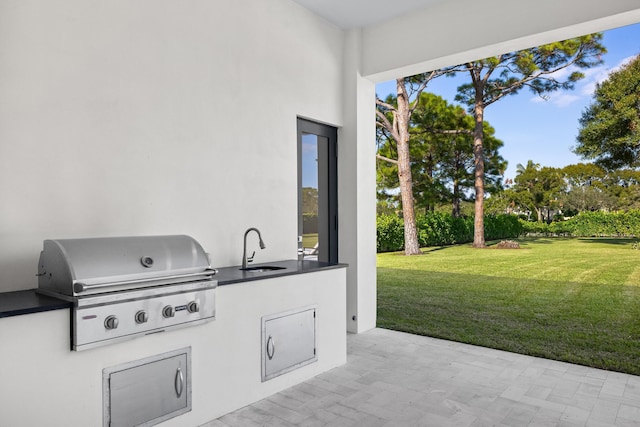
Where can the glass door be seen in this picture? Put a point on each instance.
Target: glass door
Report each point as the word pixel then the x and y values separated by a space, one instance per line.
pixel 317 192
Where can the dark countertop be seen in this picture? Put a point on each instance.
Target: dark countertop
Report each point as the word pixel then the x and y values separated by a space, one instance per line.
pixel 26 302
pixel 231 275
pixel 29 301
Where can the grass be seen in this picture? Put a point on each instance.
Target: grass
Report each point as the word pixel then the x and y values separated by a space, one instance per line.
pixel 575 300
pixel 309 240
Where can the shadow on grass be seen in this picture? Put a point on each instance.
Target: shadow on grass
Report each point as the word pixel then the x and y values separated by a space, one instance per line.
pixel 529 240
pixel 609 240
pixel 430 249
pixel 424 250
pixel 539 240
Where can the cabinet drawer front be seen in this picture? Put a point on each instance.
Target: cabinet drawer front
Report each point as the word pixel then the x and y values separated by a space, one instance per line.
pixel 288 341
pixel 147 391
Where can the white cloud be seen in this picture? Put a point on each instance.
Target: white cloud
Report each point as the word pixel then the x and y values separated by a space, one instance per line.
pixel 599 74
pixel 593 76
pixel 624 62
pixel 584 87
pixel 564 99
pixel 559 99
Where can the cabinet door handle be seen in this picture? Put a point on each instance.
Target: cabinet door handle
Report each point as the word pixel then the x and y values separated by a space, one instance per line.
pixel 179 382
pixel 271 347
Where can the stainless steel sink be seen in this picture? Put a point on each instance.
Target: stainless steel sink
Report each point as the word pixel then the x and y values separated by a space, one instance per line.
pixel 262 268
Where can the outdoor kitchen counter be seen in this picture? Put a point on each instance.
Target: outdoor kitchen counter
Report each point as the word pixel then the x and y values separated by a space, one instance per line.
pixel 17 303
pixel 231 275
pixel 29 301
pixel 224 371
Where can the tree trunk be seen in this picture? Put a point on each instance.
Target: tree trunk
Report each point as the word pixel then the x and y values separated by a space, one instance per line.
pixel 455 208
pixel 455 203
pixel 478 158
pixel 411 246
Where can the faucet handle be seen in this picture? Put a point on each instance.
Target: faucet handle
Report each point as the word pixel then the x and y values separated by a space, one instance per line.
pixel 250 259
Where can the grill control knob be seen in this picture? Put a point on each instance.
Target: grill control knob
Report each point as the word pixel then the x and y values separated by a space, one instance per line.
pixel 141 317
pixel 193 307
pixel 111 322
pixel 168 311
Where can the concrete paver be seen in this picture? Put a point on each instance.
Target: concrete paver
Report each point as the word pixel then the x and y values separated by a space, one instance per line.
pixel 397 379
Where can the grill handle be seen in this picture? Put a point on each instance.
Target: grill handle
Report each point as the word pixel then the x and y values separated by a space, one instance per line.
pixel 79 287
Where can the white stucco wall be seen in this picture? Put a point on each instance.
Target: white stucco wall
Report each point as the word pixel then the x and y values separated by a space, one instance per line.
pixel 356 204
pixel 157 117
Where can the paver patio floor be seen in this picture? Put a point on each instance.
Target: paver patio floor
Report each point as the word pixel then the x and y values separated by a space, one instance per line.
pixel 394 379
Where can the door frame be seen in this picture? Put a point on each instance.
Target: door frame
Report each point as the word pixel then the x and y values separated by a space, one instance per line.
pixel 305 126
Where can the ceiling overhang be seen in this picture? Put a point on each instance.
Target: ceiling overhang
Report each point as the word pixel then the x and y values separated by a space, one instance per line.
pixel 348 14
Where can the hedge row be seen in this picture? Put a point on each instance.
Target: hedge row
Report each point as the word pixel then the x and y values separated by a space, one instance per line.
pixel 589 224
pixel 439 229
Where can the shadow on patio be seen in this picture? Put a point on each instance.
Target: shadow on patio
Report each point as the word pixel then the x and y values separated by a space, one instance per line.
pixel 396 379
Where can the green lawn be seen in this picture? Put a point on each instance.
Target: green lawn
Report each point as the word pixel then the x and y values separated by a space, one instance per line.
pixel 576 300
pixel 309 240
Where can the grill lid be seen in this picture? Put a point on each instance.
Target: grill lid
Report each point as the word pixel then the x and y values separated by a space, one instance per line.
pixel 77 267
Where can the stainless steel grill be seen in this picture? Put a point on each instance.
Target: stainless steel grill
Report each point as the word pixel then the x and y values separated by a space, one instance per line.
pixel 126 287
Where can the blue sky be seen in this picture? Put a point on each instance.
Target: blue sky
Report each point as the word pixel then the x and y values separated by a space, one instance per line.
pixel 309 160
pixel 538 130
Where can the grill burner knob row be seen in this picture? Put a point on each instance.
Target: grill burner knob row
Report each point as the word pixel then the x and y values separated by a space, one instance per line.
pixel 141 317
pixel 193 307
pixel 168 311
pixel 111 322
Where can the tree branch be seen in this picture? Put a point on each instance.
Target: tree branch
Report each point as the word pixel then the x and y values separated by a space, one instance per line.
pixel 423 85
pixel 384 122
pixel 385 105
pixel 386 159
pixel 449 132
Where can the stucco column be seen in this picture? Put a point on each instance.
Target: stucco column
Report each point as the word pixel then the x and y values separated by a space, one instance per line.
pixel 357 189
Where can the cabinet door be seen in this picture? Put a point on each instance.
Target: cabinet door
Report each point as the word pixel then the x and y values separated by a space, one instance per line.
pixel 148 391
pixel 288 341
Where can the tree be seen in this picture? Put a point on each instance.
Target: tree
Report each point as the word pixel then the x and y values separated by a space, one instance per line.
pixel 586 189
pixel 610 126
pixel 624 186
pixel 584 174
pixel 494 78
pixel 310 200
pixel 501 202
pixel 394 120
pixel 538 188
pixel 591 188
pixel 441 149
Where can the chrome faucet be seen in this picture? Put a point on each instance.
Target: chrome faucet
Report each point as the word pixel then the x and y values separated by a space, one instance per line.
pixel 246 259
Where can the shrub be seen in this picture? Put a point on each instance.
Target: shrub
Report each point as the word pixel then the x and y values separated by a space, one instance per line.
pixel 436 229
pixel 500 227
pixel 390 234
pixel 589 224
pixel 440 229
pixel 530 227
pixel 617 224
pixel 310 223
